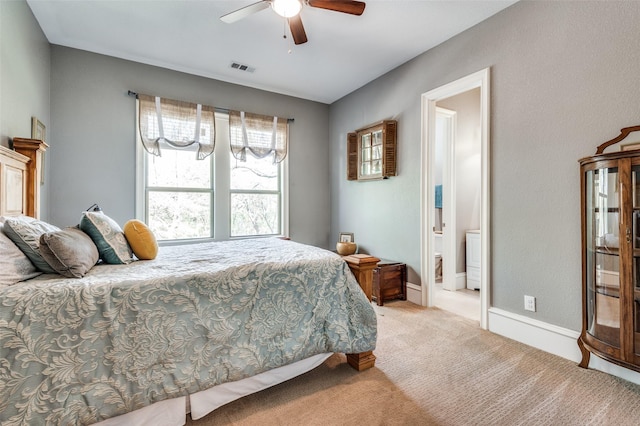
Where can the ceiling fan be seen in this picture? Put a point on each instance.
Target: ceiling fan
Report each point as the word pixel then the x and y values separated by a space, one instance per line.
pixel 290 9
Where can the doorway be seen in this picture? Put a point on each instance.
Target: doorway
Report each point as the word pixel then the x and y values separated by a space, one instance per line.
pixel 454 233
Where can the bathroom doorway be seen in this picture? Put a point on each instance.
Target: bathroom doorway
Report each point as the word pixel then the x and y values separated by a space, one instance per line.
pixel 455 196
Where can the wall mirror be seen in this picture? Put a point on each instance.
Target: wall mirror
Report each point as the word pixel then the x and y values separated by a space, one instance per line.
pixel 371 151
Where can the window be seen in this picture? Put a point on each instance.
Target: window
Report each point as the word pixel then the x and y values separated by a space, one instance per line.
pixel 371 152
pixel 218 197
pixel 255 196
pixel 258 146
pixel 179 195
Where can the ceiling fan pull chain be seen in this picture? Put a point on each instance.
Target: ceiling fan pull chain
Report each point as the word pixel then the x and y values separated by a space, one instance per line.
pixel 284 28
pixel 290 46
pixel 284 33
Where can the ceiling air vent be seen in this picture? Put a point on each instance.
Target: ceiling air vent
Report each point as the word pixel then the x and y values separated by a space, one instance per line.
pixel 242 67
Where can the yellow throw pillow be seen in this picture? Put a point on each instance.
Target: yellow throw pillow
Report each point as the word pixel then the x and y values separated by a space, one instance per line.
pixel 141 239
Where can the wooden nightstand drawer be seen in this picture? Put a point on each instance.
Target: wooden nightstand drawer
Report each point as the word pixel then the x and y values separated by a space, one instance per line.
pixel 389 281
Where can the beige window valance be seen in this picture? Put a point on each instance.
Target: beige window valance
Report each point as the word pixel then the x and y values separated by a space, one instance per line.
pixel 260 135
pixel 176 123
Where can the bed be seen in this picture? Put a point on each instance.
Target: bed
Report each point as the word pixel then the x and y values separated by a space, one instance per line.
pixel 191 330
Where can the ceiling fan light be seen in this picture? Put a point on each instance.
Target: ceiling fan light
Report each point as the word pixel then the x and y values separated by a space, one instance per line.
pixel 286 8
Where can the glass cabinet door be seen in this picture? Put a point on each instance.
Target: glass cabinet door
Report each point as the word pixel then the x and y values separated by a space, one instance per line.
pixel 635 196
pixel 603 254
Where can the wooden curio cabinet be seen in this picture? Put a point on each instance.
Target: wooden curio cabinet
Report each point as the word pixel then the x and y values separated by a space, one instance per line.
pixel 610 202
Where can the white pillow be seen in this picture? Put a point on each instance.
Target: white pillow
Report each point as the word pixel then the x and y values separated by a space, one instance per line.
pixel 25 233
pixel 15 266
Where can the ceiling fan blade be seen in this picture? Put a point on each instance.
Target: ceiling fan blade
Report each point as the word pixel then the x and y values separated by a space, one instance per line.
pixel 344 6
pixel 241 13
pixel 297 29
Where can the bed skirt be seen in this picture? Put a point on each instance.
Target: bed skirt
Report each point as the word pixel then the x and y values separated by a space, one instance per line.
pixel 173 412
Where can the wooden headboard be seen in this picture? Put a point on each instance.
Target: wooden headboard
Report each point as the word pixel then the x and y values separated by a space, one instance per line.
pixel 20 172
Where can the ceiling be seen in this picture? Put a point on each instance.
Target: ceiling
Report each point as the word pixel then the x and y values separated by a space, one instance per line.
pixel 344 52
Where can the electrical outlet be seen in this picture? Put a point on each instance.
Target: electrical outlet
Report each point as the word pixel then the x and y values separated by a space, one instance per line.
pixel 529 303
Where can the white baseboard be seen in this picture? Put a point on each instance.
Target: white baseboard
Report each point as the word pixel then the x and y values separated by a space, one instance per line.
pixel 461 280
pixel 551 338
pixel 547 337
pixel 414 293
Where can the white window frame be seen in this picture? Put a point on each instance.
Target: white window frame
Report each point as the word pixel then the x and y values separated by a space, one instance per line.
pixel 221 158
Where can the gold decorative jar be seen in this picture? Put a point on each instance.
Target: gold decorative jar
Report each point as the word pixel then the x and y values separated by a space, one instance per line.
pixel 346 248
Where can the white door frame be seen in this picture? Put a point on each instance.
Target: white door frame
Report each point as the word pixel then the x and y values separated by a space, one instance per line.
pixel 480 80
pixel 449 227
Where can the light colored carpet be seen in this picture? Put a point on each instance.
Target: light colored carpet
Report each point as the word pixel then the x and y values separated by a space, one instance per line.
pixel 436 368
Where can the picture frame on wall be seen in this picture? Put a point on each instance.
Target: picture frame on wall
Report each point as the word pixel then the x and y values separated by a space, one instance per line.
pixel 39 132
pixel 346 237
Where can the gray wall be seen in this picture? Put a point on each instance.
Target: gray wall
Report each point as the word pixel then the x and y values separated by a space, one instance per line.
pixel 93 151
pixel 24 78
pixel 564 78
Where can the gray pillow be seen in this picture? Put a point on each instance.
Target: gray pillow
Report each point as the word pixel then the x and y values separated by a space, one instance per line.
pixel 69 252
pixel 15 266
pixel 25 233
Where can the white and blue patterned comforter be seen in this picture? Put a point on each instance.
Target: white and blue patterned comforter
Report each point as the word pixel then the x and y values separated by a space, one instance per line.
pixel 77 351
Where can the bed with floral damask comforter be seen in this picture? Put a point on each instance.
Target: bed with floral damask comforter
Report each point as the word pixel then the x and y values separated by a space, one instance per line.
pixel 77 351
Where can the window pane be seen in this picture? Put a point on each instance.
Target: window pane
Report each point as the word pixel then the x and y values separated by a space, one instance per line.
pixel 254 214
pixel 179 215
pixel 366 154
pixel 256 174
pixel 366 169
pixel 178 169
pixel 366 140
pixel 377 137
pixel 377 152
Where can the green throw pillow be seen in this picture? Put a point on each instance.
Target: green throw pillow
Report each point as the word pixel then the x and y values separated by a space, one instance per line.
pixel 107 236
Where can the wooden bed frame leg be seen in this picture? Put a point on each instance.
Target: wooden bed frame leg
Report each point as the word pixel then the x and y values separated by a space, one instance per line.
pixel 362 266
pixel 361 361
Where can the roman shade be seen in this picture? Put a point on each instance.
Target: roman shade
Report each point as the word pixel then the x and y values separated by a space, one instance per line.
pixel 178 124
pixel 260 135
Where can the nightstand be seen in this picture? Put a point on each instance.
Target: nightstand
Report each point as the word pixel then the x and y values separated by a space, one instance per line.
pixel 389 281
